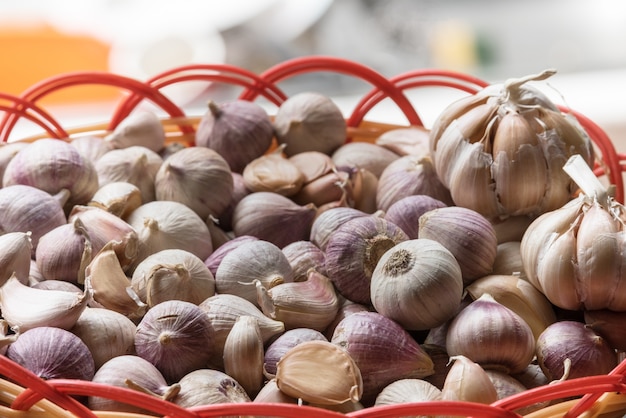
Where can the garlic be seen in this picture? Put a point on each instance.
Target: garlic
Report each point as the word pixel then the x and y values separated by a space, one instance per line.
pixel 468 235
pixel 224 309
pixel 284 342
pixel 309 121
pixel 507 385
pixel 509 260
pixel 310 304
pixel 240 191
pixel 239 131
pixel 106 333
pixel 406 212
pixel 418 284
pixel 119 198
pixel 24 307
pixel 91 147
pixel 382 350
pixel 353 251
pixel 109 286
pixel 467 381
pixel 608 324
pixel 57 285
pixel 408 390
pixel 406 141
pixel 302 256
pixel 501 150
pixel 365 186
pixel 215 258
pixel 346 307
pixel 244 354
pixel 6 337
pixel 325 224
pixel 136 165
pixel 319 372
pixel 26 208
pixel 209 387
pixel 371 157
pixel 273 172
pixel 325 189
pixel 270 393
pixel 8 151
pixel 492 335
pixel 52 353
pixel 408 176
pixel 15 256
pixel 441 364
pixel 284 221
pixel 176 337
pixel 518 295
pixel 197 177
pixel 172 274
pixel 163 225
pixel 256 260
pixel 140 128
pixel 312 164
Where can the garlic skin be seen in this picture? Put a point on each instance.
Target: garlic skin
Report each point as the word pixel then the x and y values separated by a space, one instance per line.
pixel 52 165
pixel 198 177
pixel 27 208
pixel 172 274
pixel 176 337
pixel 468 235
pixel 273 172
pixel 256 260
pixel 244 354
pixel 238 130
pixel 319 372
pixel 353 251
pixel 118 198
pixel 140 128
pixel 15 257
pixel 137 165
pixel 382 350
pixel 284 342
pixel 408 390
pixel 501 150
pixel 24 307
pixel 309 121
pixel 374 158
pixel 491 335
pixel 418 284
pixel 52 353
pixel 106 333
pixel 209 387
pixel 468 381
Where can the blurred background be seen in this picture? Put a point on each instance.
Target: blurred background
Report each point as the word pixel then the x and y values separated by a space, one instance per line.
pixel 493 40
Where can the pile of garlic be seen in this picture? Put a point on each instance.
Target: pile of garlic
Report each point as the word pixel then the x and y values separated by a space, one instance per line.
pixel 276 262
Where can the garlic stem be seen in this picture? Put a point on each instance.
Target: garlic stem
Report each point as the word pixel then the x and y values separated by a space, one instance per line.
pixel 581 173
pixel 513 84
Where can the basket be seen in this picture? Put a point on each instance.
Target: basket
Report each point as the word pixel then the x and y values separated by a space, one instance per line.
pixel 23 394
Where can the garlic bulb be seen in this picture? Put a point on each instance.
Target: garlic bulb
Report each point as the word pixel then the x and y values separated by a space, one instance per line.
pixel 26 208
pixel 468 381
pixel 418 284
pixel 284 221
pixel 574 254
pixel 406 141
pixel 52 165
pixel 312 164
pixel 501 150
pixel 106 333
pixel 491 335
pixel 284 342
pixel 408 390
pixel 119 198
pixel 309 121
pixel 273 172
pixel 208 387
pixel 330 187
pixel 215 258
pixel 15 256
pixel 319 372
pixel 468 235
pixel 137 165
pixel 409 176
pixel 256 260
pixel 240 191
pixel 406 212
pixel 8 151
pixel 172 274
pixel 140 128
pixel 244 354
pixel 176 337
pixel 270 393
pixel 353 251
pixel 304 255
pixel 325 224
pixel 371 157
pixel 609 325
pixel 91 147
pixel 197 177
pixel 239 131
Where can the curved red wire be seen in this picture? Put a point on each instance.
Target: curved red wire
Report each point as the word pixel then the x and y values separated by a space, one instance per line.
pixel 20 107
pixel 23 114
pixel 434 408
pixel 301 65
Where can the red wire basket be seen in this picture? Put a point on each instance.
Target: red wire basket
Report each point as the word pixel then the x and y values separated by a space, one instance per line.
pixel 24 394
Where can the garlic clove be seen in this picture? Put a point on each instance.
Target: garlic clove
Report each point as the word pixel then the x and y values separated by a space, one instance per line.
pixel 312 164
pixel 371 157
pixel 365 186
pixel 304 255
pixel 209 387
pixel 24 307
pixel 406 141
pixel 119 198
pixel 244 354
pixel 408 390
pixel 215 258
pixel 15 258
pixel 91 147
pixel 198 177
pixel 324 189
pixel 283 343
pixel 273 172
pixel 319 372
pixel 270 393
pixel 346 307
pixel 467 381
pixel 140 128
pixel 312 303
pixel 509 260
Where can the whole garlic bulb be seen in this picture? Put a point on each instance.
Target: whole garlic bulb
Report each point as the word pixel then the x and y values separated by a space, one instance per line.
pixel 501 151
pixel 140 128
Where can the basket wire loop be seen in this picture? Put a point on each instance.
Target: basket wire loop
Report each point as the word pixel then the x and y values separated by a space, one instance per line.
pixel 25 109
pixel 223 73
pixel 293 67
pixel 434 408
pixel 51 84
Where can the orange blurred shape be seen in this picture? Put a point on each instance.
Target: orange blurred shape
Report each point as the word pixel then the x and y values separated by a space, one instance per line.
pixel 33 53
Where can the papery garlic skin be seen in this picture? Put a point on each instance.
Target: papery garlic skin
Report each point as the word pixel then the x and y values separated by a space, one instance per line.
pixel 244 354
pixel 408 390
pixel 209 387
pixel 119 198
pixel 273 173
pixel 468 381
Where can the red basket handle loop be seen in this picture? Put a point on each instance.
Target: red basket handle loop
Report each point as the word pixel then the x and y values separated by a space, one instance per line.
pixel 25 109
pixel 413 79
pixel 223 73
pixel 301 65
pixel 47 86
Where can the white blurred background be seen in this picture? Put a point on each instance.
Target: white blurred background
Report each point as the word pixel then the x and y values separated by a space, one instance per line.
pixel 494 40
